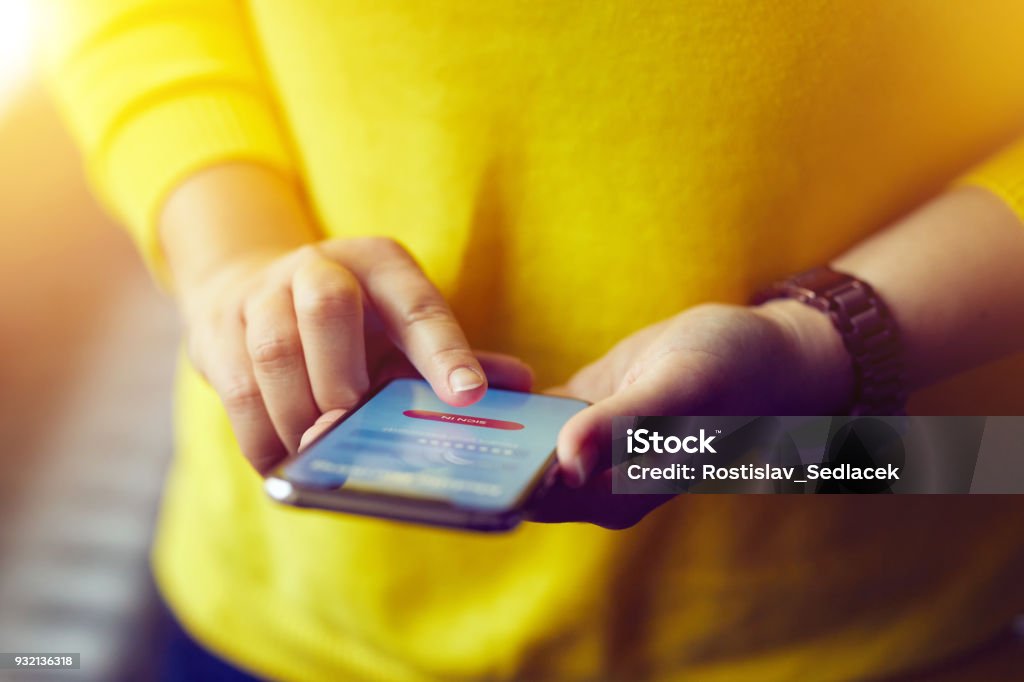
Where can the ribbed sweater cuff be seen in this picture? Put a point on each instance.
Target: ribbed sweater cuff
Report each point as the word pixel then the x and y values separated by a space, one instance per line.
pixel 1003 175
pixel 156 149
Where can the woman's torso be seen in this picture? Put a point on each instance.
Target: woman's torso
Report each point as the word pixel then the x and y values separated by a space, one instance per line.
pixel 569 172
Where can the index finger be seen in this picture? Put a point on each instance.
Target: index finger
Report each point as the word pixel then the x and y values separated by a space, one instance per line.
pixel 416 316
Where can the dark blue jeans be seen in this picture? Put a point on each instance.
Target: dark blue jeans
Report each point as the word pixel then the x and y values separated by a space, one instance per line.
pixel 159 649
pixel 185 660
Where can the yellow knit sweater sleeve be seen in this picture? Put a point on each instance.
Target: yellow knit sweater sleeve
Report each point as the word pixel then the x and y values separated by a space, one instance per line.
pixel 155 90
pixel 1002 174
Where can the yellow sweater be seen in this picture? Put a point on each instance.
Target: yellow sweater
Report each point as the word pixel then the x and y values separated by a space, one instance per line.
pixel 568 171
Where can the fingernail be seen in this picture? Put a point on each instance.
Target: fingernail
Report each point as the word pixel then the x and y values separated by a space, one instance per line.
pixel 582 464
pixel 580 470
pixel 464 379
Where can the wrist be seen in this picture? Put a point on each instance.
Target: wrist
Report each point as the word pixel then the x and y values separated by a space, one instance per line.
pixel 230 215
pixel 817 362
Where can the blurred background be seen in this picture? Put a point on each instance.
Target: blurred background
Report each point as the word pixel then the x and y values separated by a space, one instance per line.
pixel 87 348
pixel 87 351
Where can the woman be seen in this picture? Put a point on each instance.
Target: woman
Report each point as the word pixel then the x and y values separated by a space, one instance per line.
pixel 596 189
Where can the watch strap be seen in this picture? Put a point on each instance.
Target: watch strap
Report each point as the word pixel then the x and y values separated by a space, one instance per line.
pixel 868 330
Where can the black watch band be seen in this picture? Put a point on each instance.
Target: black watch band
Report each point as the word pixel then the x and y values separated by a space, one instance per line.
pixel 868 330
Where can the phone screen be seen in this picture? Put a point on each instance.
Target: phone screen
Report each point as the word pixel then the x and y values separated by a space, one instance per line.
pixel 405 441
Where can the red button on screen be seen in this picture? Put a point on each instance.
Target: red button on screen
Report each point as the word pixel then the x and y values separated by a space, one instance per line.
pixel 464 419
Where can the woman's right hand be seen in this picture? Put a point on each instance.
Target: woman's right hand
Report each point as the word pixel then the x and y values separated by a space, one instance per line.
pixel 288 338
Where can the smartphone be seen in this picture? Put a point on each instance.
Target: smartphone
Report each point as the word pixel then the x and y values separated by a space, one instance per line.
pixel 403 454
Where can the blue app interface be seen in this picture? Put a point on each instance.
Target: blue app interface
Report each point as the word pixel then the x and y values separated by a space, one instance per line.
pixel 406 441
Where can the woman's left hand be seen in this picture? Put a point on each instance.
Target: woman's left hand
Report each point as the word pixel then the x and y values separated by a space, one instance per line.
pixel 781 358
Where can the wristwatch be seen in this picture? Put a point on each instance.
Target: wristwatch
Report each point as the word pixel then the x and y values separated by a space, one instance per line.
pixel 869 333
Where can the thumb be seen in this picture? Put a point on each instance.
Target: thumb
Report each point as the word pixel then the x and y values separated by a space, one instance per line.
pixel 325 421
pixel 585 442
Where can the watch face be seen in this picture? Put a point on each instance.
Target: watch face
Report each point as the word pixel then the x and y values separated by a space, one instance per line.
pixel 820 281
pixel 869 333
